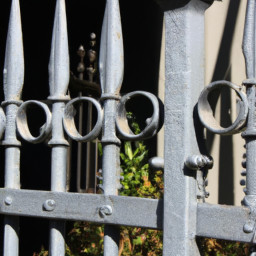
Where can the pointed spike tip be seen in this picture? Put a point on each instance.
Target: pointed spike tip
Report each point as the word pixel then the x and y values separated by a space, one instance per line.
pixel 14 58
pixel 59 59
pixel 111 61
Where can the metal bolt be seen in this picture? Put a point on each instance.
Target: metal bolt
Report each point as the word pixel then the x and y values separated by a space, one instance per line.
pixel 249 226
pixel 209 162
pixel 242 182
pixel 49 205
pixel 244 164
pixel 243 172
pixel 156 163
pixel 196 162
pixel 8 200
pixel 105 210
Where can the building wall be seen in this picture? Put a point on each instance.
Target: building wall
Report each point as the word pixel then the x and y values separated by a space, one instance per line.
pixel 223 37
pixel 224 23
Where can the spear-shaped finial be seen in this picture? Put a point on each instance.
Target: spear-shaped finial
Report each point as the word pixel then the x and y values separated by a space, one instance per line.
pixel 59 59
pixel 92 55
pixel 81 67
pixel 111 50
pixel 93 39
pixel 14 58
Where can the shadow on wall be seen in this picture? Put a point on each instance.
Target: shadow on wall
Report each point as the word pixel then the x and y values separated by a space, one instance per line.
pixel 222 72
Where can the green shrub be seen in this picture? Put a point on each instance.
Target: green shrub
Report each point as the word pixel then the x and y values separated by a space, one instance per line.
pixel 139 182
pixel 87 238
pixel 214 247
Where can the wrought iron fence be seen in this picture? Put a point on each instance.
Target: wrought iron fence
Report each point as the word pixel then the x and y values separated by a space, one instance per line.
pixel 183 214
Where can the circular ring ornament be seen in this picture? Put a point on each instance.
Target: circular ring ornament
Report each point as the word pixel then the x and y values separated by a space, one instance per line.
pixel 152 123
pixel 22 124
pixel 2 122
pixel 69 123
pixel 206 114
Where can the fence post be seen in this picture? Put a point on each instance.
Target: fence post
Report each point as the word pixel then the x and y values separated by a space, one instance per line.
pixel 184 71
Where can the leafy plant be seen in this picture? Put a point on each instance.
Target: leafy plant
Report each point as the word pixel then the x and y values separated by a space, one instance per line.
pixel 87 238
pixel 214 247
pixel 138 180
pixel 42 253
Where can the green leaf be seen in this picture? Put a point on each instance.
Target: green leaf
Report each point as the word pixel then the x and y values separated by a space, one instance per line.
pixel 128 149
pixel 141 157
pixel 129 176
pixel 137 241
pixel 123 157
pixel 132 169
pixel 100 149
pixel 144 167
pixel 136 152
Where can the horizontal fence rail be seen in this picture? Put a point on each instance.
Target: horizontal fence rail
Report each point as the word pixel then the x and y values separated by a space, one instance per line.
pixel 84 207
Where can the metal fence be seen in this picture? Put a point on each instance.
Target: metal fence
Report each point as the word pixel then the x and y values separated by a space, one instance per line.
pixel 183 214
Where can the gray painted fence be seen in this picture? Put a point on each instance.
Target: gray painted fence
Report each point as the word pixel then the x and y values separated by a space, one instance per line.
pixel 183 214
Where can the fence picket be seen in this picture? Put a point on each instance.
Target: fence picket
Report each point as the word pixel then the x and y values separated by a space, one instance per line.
pixel 111 69
pixel 13 84
pixel 59 80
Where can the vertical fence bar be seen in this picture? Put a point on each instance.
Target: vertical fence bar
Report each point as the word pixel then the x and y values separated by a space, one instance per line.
pixel 89 144
pixel 111 75
pixel 250 133
pixel 13 84
pixel 184 69
pixel 59 80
